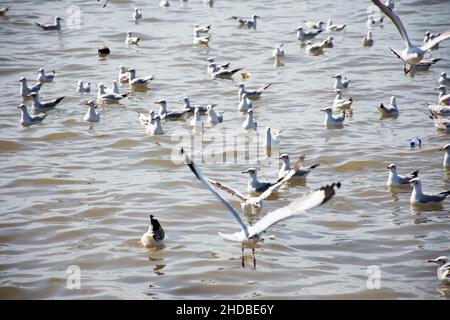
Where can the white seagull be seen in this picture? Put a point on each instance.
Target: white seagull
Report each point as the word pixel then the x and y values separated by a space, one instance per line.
pixel 26 119
pixel 340 103
pixel 306 35
pixel 446 148
pixel 155 234
pixel 164 3
pixel 25 91
pixel 212 115
pixel 439 122
pixel 92 114
pixel 334 27
pixel 249 123
pixel 444 80
pixel 314 25
pixel 189 108
pixel 418 197
pixel 339 83
pixel 154 128
pixel 443 269
pixel 102 95
pixel 123 74
pixel 251 94
pixel 81 88
pixel 391 110
pixel 130 39
pixel 372 21
pixel 199 39
pixel 137 14
pixel 42 77
pixel 331 121
pixel 38 107
pixel 202 29
pixel 367 41
pixel 134 81
pixel 114 88
pixel 444 98
pixel 51 26
pixel 163 113
pixel 278 52
pixel 223 73
pixel 300 172
pixel 394 180
pixel 256 186
pixel 247 22
pixel 212 67
pixel 412 54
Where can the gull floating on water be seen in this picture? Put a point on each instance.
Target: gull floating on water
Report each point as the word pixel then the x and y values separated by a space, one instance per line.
pixel 154 128
pixel 247 22
pixel 412 54
pixel 251 94
pixel 123 74
pixel 223 73
pixel 328 42
pixel 114 88
pixel 199 39
pixel 314 48
pixel 26 119
pixel 134 81
pixel 444 98
pixel 250 235
pixel 446 148
pixel 439 122
pixel 340 103
pixel 306 35
pixel 367 41
pixel 155 234
pixel 394 180
pixel 245 104
pixel 201 29
pixel 278 52
pixel 331 121
pixel 212 115
pixel 314 25
pixel 339 83
pixel 42 77
pixel 443 269
pixel 39 107
pixel 372 21
pixel 334 27
pixel 25 91
pixel 391 110
pixel 444 80
pixel 300 172
pixel 249 123
pixel 418 197
pixel 92 114
pixel 130 39
pixel 81 88
pixel 137 14
pixel 189 108
pixel 212 67
pixel 102 95
pixel 163 113
pixel 51 26
pixel 256 186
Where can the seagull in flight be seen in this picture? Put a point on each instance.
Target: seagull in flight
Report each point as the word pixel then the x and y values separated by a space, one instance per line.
pixel 250 235
pixel 412 54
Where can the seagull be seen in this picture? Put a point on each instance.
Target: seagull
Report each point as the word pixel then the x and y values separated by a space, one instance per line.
pixel 430 36
pixel 250 235
pixel 114 88
pixel 339 83
pixel 81 88
pixel 314 25
pixel 278 52
pixel 25 90
pixel 314 48
pixel 331 121
pixel 394 180
pixel 334 27
pixel 224 73
pixel 444 80
pixel 328 42
pixel 446 148
pixel 163 113
pixel 92 114
pixel 3 11
pixel 200 40
pixel 155 234
pixel 391 110
pixel 42 77
pixel 133 81
pixel 202 29
pixel 150 119
pixel 439 122
pixel 154 128
pixel 130 39
pixel 164 3
pixel 247 22
pixel 340 103
pixel 189 108
pixel 123 74
pixel 439 109
pixel 300 172
pixel 109 97
pixel 26 119
pixel 412 54
pixel 374 22
pixel 256 186
pixel 51 26
pixel 38 107
pixel 137 14
pixel 212 116
pixel 222 66
pixel 367 41
pixel 306 35
pixel 251 204
pixel 443 270
pixel 444 98
pixel 253 94
pixel 249 123
pixel 196 122
pixel 418 197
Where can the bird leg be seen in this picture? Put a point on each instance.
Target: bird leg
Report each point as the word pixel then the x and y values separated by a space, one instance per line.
pixel 243 261
pixel 254 258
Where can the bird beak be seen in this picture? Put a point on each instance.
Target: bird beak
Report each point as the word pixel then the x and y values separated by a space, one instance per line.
pixel 441 149
pixel 432 260
pixel 246 171
pixel 281 45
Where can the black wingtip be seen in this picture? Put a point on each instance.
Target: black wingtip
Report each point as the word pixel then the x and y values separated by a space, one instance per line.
pixel 329 191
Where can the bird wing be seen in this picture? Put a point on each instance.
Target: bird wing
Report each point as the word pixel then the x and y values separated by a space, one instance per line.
pixel 395 19
pixel 228 189
pixel 298 206
pixel 430 44
pixel 205 182
pixel 276 186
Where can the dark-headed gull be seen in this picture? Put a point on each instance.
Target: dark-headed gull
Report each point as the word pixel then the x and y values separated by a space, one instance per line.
pixel 51 26
pixel 155 234
pixel 130 39
pixel 444 80
pixel 256 186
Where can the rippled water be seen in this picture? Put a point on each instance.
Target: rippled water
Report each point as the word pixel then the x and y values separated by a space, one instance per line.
pixel 72 194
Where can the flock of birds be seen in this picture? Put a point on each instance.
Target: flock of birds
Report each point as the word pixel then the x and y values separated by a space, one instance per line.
pixel 412 56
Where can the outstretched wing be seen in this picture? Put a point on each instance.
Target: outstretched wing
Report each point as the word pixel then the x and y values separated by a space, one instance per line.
pixel 205 182
pixel 430 44
pixel 228 189
pixel 395 19
pixel 309 201
pixel 276 186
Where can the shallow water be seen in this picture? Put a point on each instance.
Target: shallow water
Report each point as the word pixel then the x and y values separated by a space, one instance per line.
pixel 74 194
